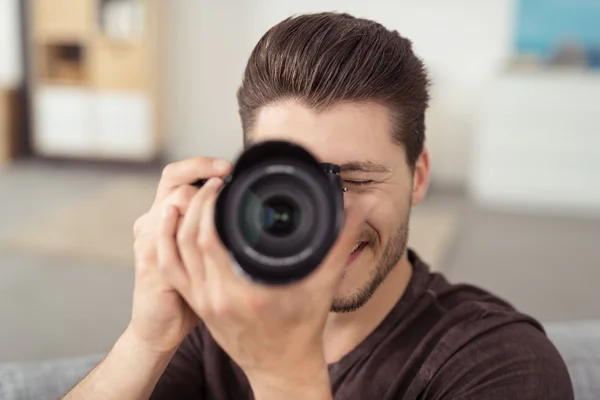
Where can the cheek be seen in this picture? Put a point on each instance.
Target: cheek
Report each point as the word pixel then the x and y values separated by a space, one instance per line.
pixel 389 214
pixel 384 219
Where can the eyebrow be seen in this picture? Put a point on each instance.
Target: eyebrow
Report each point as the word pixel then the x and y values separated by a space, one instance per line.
pixel 362 166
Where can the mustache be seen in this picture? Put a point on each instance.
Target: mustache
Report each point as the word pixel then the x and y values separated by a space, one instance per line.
pixel 368 234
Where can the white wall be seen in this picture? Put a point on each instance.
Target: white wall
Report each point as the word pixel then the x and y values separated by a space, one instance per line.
pixel 206 48
pixel 463 42
pixel 537 147
pixel 11 72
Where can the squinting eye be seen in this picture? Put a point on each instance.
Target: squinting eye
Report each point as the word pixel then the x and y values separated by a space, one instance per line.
pixel 359 183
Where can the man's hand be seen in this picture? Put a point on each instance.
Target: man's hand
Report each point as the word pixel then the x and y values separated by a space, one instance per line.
pixel 160 317
pixel 274 333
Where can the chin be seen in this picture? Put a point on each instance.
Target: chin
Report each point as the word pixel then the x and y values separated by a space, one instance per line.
pixel 367 268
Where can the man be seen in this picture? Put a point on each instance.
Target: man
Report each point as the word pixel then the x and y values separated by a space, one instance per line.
pixel 372 322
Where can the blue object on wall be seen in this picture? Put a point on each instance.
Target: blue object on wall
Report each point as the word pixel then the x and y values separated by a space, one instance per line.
pixel 543 24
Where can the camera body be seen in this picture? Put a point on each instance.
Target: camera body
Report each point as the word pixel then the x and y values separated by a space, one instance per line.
pixel 279 212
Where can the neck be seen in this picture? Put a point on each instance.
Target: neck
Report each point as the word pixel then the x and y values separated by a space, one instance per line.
pixel 343 332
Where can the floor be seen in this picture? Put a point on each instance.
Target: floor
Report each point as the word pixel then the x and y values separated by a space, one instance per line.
pixel 547 266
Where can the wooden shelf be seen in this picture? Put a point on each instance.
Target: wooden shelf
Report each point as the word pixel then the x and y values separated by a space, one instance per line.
pixel 94 79
pixel 62 19
pixel 62 82
pixel 9 129
pixel 112 41
pixel 118 65
pixel 62 62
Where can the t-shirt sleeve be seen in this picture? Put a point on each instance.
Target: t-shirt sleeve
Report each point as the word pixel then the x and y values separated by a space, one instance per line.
pixel 516 361
pixel 184 376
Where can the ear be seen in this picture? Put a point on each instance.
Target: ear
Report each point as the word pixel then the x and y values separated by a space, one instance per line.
pixel 420 178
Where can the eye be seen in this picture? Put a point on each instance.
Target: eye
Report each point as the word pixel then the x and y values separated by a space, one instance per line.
pixel 359 183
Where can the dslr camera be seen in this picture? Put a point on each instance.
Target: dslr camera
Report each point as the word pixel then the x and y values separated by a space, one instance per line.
pixel 279 212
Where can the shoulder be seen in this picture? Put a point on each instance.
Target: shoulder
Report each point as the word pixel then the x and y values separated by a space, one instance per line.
pixel 481 347
pixel 501 356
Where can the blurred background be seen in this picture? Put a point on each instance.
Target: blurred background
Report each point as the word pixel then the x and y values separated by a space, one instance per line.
pixel 96 96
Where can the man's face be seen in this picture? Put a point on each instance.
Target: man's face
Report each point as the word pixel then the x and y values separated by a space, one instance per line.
pixel 358 138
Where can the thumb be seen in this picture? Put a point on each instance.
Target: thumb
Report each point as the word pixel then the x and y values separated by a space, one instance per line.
pixel 355 217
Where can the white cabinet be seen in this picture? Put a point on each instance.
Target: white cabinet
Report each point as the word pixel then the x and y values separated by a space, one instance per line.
pixel 11 73
pixel 537 145
pixel 79 122
pixel 94 78
pixel 63 121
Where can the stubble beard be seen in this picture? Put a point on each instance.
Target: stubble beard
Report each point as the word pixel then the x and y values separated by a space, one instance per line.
pixel 390 256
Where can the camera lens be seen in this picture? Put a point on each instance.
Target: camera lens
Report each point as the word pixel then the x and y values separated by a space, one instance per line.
pixel 278 217
pixel 280 213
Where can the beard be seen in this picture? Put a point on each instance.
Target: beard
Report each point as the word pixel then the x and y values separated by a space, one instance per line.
pixel 389 258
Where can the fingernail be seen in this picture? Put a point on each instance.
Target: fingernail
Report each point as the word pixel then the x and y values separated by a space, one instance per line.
pixel 213 182
pixel 210 183
pixel 221 165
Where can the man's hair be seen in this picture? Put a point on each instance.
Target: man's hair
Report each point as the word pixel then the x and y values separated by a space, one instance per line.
pixel 329 58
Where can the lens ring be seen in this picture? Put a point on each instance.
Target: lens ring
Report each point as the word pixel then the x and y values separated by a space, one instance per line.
pixel 327 218
pixel 276 216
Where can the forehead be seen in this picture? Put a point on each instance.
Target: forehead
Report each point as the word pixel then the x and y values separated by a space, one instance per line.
pixel 344 132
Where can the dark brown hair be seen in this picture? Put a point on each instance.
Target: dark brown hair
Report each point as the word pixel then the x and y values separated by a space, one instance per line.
pixel 327 58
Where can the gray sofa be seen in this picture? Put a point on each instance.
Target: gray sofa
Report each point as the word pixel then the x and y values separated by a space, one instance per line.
pixel 578 342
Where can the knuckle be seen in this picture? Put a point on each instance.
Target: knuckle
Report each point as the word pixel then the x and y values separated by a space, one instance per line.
pixel 206 242
pixel 164 264
pixel 222 306
pixel 186 238
pixel 138 225
pixel 137 247
pixel 167 171
pixel 182 196
pixel 166 268
pixel 201 307
pixel 256 303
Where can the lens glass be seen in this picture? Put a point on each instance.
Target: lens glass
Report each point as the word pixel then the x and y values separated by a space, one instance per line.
pixel 277 215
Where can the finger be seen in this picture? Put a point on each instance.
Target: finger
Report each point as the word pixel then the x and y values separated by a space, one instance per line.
pixel 223 282
pixel 188 235
pixel 169 261
pixel 139 226
pixel 180 199
pixel 188 171
pixel 214 253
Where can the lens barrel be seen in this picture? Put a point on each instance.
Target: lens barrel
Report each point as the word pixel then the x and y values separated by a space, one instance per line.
pixel 279 212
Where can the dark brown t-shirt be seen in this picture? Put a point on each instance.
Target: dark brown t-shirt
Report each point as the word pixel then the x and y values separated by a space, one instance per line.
pixel 441 341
